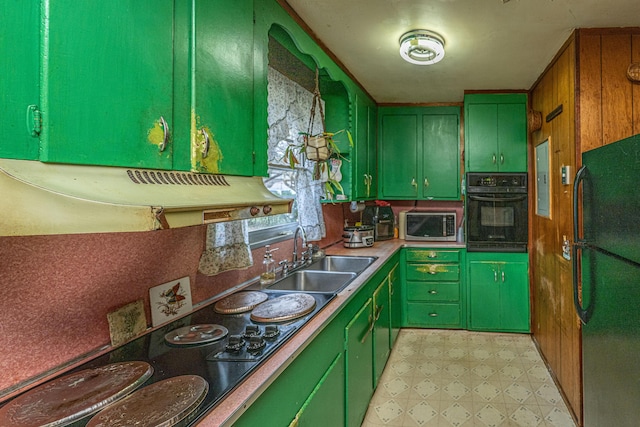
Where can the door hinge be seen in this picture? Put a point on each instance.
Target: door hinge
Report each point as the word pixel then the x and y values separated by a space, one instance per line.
pixel 34 120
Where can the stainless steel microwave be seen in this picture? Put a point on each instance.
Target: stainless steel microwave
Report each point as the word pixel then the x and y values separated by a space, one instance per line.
pixel 430 226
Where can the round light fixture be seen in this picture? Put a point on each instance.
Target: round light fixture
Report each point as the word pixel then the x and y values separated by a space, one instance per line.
pixel 421 47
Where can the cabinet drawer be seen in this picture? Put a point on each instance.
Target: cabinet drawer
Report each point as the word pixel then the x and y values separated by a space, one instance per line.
pixel 433 272
pixel 422 255
pixel 433 315
pixel 433 291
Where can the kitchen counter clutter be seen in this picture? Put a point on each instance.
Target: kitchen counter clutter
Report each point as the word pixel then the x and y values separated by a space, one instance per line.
pixel 299 362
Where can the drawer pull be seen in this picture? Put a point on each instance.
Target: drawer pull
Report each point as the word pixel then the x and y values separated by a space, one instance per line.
pixel 433 292
pixel 432 255
pixel 433 314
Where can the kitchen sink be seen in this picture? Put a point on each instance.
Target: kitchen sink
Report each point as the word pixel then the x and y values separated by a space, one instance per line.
pixel 354 264
pixel 314 281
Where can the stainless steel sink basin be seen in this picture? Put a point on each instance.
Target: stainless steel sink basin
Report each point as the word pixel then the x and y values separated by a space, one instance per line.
pixel 355 264
pixel 314 281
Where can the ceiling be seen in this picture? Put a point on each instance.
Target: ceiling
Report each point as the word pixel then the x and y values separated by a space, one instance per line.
pixel 490 44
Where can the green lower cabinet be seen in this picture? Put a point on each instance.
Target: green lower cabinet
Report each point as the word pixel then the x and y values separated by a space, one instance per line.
pixel 498 292
pixel 382 329
pixel 432 288
pixel 319 408
pixel 315 380
pixel 359 364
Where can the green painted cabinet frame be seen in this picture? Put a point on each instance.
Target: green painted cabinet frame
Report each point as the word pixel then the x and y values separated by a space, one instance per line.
pixel 419 153
pixel 498 290
pixel 496 132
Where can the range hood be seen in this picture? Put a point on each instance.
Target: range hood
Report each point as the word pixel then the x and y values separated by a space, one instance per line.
pixel 41 198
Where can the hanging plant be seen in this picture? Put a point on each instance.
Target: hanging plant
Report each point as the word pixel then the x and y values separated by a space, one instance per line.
pixel 318 147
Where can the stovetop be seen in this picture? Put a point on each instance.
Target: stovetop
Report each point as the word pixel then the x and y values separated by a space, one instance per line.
pixel 223 363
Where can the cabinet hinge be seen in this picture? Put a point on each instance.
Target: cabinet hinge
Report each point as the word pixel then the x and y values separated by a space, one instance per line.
pixel 253 155
pixel 34 120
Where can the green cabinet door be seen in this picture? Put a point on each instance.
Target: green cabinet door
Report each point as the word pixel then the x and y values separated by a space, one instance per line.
pixel 484 296
pixel 359 363
pixel 481 137
pixel 107 82
pixel 20 79
pixel 398 161
pixel 221 81
pixel 440 177
pixel 498 292
pixel 381 332
pixel 364 174
pixel 496 132
pixel 515 297
pixel 325 406
pixel 512 137
pixel 419 153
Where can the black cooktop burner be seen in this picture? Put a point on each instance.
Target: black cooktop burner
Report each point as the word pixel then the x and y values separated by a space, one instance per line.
pixel 249 344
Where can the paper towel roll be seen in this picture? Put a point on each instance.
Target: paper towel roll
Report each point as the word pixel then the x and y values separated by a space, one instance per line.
pixel 356 206
pixel 402 220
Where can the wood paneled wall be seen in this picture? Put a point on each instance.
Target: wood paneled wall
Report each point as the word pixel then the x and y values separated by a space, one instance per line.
pixel 608 102
pixel 599 106
pixel 555 325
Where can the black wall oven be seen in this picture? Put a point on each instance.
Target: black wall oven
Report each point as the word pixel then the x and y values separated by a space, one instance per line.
pixel 496 212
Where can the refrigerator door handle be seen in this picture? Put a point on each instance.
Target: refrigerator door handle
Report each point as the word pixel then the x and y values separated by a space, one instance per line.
pixel 578 244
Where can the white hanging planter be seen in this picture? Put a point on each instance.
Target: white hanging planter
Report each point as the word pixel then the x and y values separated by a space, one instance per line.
pixel 316 148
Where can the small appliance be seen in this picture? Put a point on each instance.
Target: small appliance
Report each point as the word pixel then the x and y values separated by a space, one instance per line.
pixel 382 220
pixel 358 236
pixel 430 226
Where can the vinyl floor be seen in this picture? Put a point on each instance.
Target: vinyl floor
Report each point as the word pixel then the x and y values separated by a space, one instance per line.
pixel 457 378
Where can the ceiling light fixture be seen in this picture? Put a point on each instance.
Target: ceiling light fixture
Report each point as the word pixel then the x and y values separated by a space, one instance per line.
pixel 421 47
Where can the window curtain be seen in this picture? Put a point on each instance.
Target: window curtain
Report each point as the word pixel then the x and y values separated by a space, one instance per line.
pixel 308 194
pixel 226 248
pixel 288 116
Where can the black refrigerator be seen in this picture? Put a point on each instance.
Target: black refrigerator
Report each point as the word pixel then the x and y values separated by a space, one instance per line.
pixel 606 259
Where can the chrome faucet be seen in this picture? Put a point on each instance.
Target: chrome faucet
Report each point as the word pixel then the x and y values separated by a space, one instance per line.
pixel 299 229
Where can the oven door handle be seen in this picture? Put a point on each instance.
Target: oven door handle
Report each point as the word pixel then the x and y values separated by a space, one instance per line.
pixel 498 199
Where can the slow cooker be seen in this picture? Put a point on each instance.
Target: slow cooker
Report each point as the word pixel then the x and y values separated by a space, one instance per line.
pixel 361 236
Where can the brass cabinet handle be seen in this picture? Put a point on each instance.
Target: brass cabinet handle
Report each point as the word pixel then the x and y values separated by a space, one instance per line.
pixel 433 292
pixel 426 182
pixel 372 323
pixel 432 255
pixel 165 134
pixel 414 183
pixel 207 142
pixel 495 275
pixel 503 276
pixel 433 314
pixel 501 158
pixel 493 158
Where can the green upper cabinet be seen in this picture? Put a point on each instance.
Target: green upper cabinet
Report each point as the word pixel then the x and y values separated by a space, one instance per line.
pixel 364 175
pixel 161 84
pixel 19 84
pixel 419 153
pixel 496 132
pixel 107 82
pixel 221 81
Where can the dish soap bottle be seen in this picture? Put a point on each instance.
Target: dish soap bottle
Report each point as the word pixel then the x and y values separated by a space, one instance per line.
pixel 268 275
